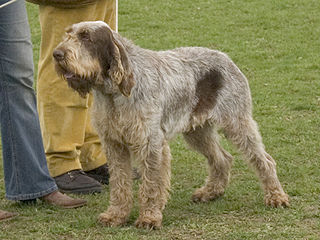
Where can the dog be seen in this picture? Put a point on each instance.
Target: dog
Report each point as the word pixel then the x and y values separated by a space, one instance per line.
pixel 143 98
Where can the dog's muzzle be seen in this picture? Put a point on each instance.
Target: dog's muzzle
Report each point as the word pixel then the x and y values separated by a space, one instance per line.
pixel 76 82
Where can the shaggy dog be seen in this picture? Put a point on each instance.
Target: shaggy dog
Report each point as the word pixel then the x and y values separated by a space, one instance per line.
pixel 143 98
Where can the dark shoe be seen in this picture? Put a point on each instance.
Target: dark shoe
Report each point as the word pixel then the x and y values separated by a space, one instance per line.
pixel 101 174
pixel 78 182
pixel 4 215
pixel 62 200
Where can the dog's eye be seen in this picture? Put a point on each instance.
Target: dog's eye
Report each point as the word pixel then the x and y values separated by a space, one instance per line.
pixel 84 35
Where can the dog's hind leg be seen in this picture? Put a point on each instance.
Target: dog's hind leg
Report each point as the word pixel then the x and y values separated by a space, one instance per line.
pixel 165 173
pixel 154 189
pixel 120 185
pixel 245 135
pixel 206 141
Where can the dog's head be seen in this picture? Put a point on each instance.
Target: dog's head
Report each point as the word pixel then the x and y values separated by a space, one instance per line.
pixel 90 55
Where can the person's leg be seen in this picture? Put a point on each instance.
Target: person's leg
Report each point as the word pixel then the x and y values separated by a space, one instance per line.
pixel 25 168
pixel 92 156
pixel 63 113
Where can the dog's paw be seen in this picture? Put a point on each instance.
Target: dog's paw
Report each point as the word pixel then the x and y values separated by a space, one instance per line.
pixel 111 220
pixel 149 220
pixel 203 195
pixel 147 224
pixel 277 199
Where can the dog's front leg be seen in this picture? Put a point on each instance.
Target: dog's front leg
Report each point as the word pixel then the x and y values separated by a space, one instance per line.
pixel 120 183
pixel 154 189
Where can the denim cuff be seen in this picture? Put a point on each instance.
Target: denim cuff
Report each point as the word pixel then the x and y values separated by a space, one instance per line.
pixel 32 195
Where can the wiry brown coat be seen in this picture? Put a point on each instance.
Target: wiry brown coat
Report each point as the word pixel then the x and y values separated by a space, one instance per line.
pixel 143 98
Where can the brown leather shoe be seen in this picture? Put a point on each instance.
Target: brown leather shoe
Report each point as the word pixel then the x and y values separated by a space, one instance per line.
pixel 4 215
pixel 61 200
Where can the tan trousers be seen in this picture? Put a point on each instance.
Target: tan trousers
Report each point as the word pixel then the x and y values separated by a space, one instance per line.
pixel 70 141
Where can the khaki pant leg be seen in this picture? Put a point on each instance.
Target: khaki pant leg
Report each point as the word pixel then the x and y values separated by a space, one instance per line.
pixel 64 115
pixel 92 154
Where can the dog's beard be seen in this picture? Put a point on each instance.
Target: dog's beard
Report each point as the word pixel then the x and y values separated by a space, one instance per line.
pixel 81 84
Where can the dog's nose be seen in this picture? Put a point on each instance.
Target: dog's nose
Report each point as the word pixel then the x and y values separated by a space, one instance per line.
pixel 58 55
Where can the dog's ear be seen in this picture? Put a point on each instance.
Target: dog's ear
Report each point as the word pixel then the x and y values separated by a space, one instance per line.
pixel 120 70
pixel 114 61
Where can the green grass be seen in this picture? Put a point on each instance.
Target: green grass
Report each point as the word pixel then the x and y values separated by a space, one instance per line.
pixel 276 44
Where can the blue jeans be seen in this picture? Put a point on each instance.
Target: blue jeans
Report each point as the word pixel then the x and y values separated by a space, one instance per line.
pixel 24 162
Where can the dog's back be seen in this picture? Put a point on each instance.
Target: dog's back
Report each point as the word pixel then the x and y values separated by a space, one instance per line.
pixel 188 86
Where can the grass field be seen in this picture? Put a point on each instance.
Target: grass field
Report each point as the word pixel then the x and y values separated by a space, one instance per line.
pixel 276 45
